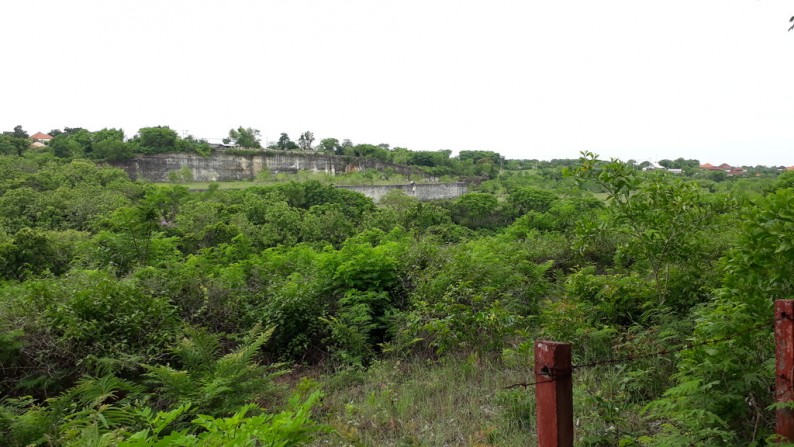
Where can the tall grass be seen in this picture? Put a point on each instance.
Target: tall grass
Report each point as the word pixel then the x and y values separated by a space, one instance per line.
pixel 469 401
pixel 421 402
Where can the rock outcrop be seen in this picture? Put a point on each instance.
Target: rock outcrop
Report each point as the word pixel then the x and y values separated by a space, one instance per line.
pixel 220 167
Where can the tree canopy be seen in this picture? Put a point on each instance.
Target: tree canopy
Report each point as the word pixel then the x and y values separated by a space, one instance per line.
pixel 244 137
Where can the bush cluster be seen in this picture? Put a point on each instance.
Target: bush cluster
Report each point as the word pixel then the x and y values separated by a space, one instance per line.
pixel 136 313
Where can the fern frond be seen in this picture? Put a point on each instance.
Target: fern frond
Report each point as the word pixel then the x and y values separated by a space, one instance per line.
pixel 171 381
pixel 198 350
pixel 92 392
pixel 233 363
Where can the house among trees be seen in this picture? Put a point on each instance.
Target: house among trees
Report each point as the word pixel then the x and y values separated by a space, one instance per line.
pixel 653 166
pixel 725 167
pixel 40 139
pixel 220 144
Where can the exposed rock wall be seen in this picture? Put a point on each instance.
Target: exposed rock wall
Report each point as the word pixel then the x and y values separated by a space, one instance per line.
pixel 423 192
pixel 220 167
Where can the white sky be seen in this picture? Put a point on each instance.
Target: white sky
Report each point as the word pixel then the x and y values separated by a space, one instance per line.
pixel 647 80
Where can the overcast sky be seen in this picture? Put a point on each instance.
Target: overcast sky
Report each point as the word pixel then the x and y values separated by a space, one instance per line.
pixel 643 80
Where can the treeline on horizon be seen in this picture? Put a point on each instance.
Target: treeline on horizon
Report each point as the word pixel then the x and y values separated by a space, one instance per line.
pixel 472 165
pixel 111 145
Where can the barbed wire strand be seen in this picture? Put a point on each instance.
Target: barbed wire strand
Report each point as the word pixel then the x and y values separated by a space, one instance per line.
pixel 674 350
pixel 529 384
pixel 661 352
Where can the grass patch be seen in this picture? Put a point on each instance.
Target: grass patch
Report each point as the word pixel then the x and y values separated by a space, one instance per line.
pixel 465 401
pixel 428 403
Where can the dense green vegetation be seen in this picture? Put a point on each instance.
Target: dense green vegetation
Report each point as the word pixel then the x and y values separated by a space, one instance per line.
pixel 135 315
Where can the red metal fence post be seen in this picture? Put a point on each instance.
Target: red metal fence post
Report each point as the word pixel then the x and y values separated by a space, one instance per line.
pixel 553 394
pixel 784 367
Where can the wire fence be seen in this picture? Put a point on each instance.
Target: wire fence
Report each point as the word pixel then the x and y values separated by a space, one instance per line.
pixel 554 373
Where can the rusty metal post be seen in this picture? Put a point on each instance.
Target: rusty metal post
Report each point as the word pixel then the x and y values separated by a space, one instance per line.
pixel 554 394
pixel 784 367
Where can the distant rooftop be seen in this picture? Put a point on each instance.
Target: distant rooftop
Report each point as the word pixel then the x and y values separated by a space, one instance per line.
pixel 41 136
pixel 722 167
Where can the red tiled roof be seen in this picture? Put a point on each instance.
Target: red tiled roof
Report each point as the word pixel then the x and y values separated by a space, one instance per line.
pixel 41 136
pixel 711 167
pixel 790 168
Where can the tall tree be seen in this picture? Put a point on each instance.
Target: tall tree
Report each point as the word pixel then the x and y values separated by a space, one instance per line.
pixel 330 145
pixel 244 137
pixel 285 144
pixel 15 141
pixel 19 132
pixel 305 141
pixel 10 145
pixel 156 139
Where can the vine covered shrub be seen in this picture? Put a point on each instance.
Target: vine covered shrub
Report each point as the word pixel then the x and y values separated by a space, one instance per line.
pixel 81 323
pixel 619 299
pixel 722 391
pixel 477 296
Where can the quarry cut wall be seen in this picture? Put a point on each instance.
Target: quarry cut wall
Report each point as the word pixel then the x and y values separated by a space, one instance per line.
pixel 423 192
pixel 220 167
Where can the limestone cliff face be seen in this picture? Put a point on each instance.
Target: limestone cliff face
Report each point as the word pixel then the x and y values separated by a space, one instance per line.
pixel 220 167
pixel 423 192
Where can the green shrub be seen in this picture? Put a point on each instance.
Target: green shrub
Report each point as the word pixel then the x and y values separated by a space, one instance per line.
pixel 477 296
pixel 75 325
pixel 181 175
pixel 476 210
pixel 722 389
pixel 208 382
pixel 619 299
pixel 359 326
pixel 527 199
pixel 292 427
